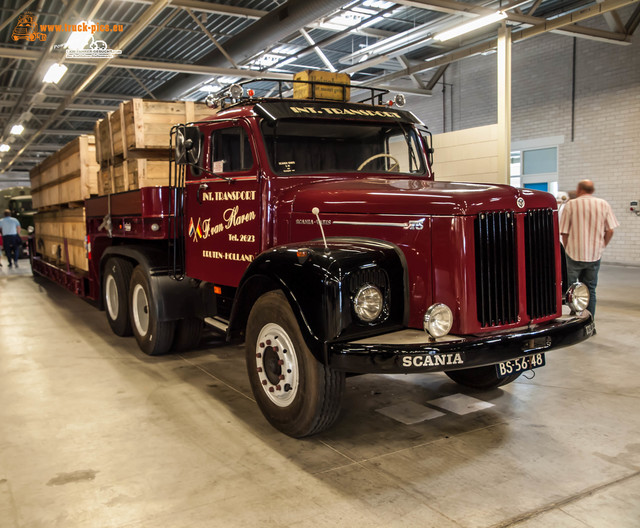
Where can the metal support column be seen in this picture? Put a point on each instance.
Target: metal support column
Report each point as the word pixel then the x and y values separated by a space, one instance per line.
pixel 504 104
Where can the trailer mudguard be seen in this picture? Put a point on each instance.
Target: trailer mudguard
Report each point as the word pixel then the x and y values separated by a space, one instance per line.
pixel 320 284
pixel 175 299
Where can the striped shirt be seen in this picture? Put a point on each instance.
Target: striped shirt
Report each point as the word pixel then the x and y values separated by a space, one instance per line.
pixel 585 220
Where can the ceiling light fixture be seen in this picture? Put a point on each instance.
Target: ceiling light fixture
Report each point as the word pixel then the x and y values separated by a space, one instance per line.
pixel 471 26
pixel 17 129
pixel 79 39
pixel 54 73
pixel 5 148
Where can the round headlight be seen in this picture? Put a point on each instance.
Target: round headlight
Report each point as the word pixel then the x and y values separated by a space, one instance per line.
pixel 578 297
pixel 368 303
pixel 438 320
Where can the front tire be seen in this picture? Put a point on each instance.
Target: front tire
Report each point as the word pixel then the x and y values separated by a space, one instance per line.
pixel 482 378
pixel 154 337
pixel 297 394
pixel 115 295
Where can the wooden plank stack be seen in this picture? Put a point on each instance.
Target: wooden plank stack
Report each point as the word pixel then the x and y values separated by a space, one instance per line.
pixel 60 233
pixel 59 185
pixel 69 175
pixel 133 142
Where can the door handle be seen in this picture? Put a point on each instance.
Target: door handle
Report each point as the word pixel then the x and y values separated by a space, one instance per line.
pixel 202 187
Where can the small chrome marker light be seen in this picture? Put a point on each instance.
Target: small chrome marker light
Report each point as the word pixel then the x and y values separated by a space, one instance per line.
pixel 368 303
pixel 438 320
pixel 578 297
pixel 400 100
pixel 155 227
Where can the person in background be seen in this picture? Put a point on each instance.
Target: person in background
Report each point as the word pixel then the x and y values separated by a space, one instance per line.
pixel 586 226
pixel 11 241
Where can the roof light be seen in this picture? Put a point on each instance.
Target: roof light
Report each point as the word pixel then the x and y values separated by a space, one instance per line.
pixel 54 73
pixel 5 148
pixel 209 88
pixel 17 130
pixel 471 26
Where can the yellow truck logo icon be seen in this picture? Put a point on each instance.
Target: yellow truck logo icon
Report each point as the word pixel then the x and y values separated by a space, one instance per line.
pixel 27 29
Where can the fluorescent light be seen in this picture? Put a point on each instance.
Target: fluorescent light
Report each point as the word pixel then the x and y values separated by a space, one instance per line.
pixel 470 26
pixel 5 148
pixel 17 129
pixel 79 39
pixel 55 73
pixel 208 88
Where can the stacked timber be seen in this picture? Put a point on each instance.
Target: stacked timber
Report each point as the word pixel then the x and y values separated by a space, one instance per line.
pixel 60 237
pixel 133 142
pixel 59 186
pixel 69 175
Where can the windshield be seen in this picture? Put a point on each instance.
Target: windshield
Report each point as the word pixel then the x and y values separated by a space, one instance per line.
pixel 309 147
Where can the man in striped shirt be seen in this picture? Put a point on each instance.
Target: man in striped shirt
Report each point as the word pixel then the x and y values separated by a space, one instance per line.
pixel 586 226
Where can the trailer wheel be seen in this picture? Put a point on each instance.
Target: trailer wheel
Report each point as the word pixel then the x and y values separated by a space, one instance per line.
pixel 483 378
pixel 188 334
pixel 115 293
pixel 296 393
pixel 154 337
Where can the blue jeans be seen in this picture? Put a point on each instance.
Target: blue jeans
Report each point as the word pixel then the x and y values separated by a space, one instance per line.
pixel 12 245
pixel 587 273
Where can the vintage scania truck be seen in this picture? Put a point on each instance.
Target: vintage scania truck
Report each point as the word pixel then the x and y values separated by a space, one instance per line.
pixel 314 231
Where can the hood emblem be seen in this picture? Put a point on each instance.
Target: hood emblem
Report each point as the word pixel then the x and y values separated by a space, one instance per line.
pixel 520 202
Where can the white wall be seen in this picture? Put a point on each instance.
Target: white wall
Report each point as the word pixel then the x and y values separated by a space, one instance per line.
pixel 606 143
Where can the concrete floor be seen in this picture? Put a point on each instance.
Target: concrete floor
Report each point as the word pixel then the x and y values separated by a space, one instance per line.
pixel 95 434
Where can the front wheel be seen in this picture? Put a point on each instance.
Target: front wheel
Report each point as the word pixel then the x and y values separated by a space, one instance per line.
pixel 483 378
pixel 298 395
pixel 154 337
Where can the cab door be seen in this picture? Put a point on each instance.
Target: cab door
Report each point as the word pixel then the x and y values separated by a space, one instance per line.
pixel 222 206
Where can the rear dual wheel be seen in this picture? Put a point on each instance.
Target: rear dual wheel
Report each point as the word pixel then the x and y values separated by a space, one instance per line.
pixel 154 337
pixel 115 293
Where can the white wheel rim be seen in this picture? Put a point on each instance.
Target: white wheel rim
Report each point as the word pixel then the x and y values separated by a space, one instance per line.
pixel 277 365
pixel 140 306
pixel 111 296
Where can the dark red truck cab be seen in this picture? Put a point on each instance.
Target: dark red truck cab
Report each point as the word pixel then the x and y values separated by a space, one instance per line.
pixel 315 232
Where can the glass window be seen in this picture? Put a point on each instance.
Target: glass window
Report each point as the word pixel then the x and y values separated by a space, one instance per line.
pixel 231 151
pixel 540 161
pixel 305 147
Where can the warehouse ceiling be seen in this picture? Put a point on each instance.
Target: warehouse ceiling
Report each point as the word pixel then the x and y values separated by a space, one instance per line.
pixel 187 48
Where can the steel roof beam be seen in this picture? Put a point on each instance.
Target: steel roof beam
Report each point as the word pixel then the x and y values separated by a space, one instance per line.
pixel 546 26
pixel 212 7
pixel 132 32
pixel 463 8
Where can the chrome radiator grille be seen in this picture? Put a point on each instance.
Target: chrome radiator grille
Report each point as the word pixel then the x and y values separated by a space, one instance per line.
pixel 496 268
pixel 540 263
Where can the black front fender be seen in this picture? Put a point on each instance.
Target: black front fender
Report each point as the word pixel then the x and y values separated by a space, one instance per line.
pixel 319 285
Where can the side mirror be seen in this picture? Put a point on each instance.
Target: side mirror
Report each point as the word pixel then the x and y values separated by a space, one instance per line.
pixel 428 142
pixel 188 145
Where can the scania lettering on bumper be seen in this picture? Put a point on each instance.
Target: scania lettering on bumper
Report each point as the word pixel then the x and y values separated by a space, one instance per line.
pixel 414 353
pixel 432 360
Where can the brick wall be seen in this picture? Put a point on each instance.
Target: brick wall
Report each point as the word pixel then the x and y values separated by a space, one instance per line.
pixel 606 143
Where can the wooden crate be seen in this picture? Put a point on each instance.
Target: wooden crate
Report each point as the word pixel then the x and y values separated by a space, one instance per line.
pixel 103 140
pixel 321 91
pixel 148 123
pixel 52 228
pixel 69 175
pixel 134 174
